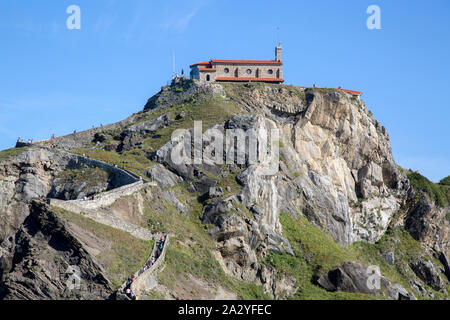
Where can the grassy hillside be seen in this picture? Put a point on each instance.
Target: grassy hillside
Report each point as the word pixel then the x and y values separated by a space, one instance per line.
pixel 440 193
pixel 316 253
pixel 191 253
pixel 9 153
pixel 118 252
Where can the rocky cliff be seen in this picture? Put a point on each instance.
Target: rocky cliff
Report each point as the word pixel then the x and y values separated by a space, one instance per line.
pixel 336 204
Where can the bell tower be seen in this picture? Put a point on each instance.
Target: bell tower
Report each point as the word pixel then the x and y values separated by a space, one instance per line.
pixel 278 51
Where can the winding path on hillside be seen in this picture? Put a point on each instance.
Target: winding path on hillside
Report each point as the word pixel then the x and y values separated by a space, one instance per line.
pixel 145 279
pixel 93 209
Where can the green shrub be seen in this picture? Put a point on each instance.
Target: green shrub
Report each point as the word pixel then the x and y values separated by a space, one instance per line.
pixel 439 194
pixel 445 181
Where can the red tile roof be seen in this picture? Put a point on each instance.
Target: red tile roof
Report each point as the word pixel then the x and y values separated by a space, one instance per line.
pixel 355 93
pixel 200 64
pixel 247 61
pixel 246 79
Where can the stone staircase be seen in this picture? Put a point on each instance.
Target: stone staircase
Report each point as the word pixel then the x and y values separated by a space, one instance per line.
pixel 93 209
pixel 146 280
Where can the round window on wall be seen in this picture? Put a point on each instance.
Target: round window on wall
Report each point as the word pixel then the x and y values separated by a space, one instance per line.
pixel 270 71
pixel 226 70
pixel 249 71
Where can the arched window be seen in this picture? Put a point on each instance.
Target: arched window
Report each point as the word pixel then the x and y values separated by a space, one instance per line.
pixel 208 78
pixel 278 73
pixel 236 72
pixel 257 73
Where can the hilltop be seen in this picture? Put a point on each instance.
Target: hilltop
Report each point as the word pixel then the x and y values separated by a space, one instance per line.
pixel 337 205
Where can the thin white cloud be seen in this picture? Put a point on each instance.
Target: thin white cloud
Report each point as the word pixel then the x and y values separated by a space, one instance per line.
pixel 136 26
pixel 180 22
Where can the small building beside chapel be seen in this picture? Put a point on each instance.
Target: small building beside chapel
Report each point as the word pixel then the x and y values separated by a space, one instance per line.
pixel 240 70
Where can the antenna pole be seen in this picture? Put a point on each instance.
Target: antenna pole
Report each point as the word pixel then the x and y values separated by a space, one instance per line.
pixel 173 64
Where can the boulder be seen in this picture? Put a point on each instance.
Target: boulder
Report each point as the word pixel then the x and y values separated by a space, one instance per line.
pixel 217 208
pixel 239 121
pixel 215 192
pixel 163 177
pixel 205 184
pixel 150 126
pixel 389 257
pixel 397 292
pixel 425 270
pixel 354 277
pixel 171 198
pixel 130 141
pixel 99 137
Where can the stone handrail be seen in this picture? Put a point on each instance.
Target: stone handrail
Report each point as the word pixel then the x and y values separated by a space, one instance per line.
pixel 104 218
pixel 92 209
pixel 107 198
pixel 140 283
pixel 141 276
pixel 129 176
pixel 120 295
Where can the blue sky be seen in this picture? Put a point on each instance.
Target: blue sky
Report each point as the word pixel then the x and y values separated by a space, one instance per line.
pixel 55 80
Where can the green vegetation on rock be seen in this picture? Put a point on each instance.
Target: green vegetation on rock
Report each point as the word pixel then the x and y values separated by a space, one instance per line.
pixel 121 254
pixel 133 160
pixel 316 253
pixel 9 153
pixel 445 181
pixel 440 194
pixel 91 176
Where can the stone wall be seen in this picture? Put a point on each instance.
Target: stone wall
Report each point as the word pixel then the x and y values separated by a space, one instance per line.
pixel 140 284
pixel 96 209
pixel 120 177
pixel 240 70
pixel 203 76
pixel 108 198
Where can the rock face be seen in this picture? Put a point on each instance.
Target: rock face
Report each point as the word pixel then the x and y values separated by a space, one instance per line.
pixel 40 264
pixel 446 263
pixel 132 136
pixel 333 154
pixel 33 175
pixel 240 241
pixel 353 277
pixel 130 140
pixel 149 126
pixel 163 177
pixel 182 92
pixel 427 222
pixel 426 271
pixel 335 167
